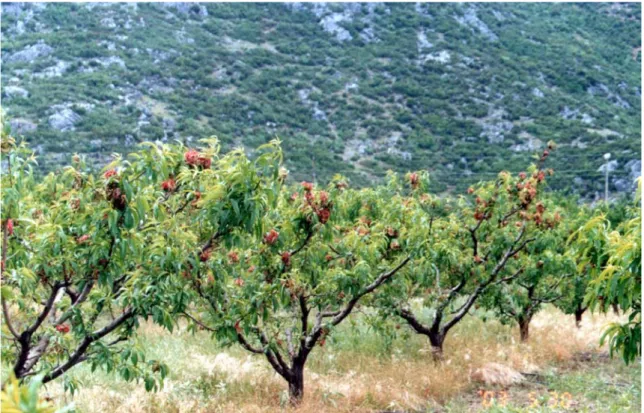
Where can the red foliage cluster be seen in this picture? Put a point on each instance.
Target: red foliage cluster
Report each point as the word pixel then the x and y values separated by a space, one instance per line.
pixel 191 157
pixel 169 185
pixel 286 258
pixel 308 186
pixel 321 207
pixel 109 174
pixel 116 196
pixel 63 328
pixel 341 185
pixel 194 158
pixel 204 162
pixel 10 227
pixel 82 239
pixel 271 237
pixel 528 193
pixel 233 257
pixel 75 204
pixel 205 255
pixel 414 180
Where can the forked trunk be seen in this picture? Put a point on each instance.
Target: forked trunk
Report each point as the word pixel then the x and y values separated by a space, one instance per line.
pixel 296 385
pixel 436 341
pixel 524 328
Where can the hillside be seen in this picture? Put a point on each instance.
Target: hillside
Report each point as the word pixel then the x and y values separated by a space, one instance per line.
pixel 460 89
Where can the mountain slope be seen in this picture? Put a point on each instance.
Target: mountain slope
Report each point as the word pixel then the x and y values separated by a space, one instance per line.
pixel 463 90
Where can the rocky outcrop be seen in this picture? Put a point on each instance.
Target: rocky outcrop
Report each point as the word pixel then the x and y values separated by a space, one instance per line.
pixel 53 71
pixel 186 8
pixel 15 91
pixel 64 120
pixel 31 53
pixel 331 24
pixel 470 19
pixel 19 126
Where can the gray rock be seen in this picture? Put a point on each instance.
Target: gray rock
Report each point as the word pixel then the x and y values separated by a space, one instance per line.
pixel 20 27
pixel 353 85
pixel 471 20
pixel 31 53
pixel 19 125
pixel 634 168
pixel 111 60
pixel 403 154
pixel 108 22
pixel 15 91
pixel 495 127
pixel 53 71
pixel 441 57
pixel 64 120
pixel 17 8
pixel 587 119
pixel 419 9
pixel 530 144
pixel 331 24
pixel 422 42
pixel 368 35
pixel 318 114
pixel 186 8
pixel 610 165
pixel 182 37
pixel 568 113
pixel 499 15
pixel 629 184
pixel 614 98
pixel 169 124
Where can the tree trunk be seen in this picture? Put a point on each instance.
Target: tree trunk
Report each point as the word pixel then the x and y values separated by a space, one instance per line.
pixel 524 328
pixel 578 314
pixel 436 341
pixel 296 384
pixel 615 309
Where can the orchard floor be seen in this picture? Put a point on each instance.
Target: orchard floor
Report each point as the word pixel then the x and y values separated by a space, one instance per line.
pixel 363 371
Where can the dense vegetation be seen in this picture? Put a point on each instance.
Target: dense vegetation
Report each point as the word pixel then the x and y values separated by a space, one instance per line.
pixel 226 243
pixel 460 89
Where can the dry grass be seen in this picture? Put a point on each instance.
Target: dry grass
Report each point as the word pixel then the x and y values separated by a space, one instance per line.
pixel 353 374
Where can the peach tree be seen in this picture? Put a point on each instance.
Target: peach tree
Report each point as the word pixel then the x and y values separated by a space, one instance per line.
pixel 281 293
pixel 613 256
pixel 87 257
pixel 472 244
pixel 547 276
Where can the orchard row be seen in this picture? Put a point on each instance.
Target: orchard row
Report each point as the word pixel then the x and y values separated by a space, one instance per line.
pixel 225 243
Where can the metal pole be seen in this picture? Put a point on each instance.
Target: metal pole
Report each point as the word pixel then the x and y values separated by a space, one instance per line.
pixel 606 165
pixel 606 185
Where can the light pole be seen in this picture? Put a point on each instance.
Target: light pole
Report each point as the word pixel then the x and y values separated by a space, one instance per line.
pixel 606 157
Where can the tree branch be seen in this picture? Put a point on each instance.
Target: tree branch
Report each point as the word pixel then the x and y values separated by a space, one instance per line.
pixel 79 354
pixel 414 322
